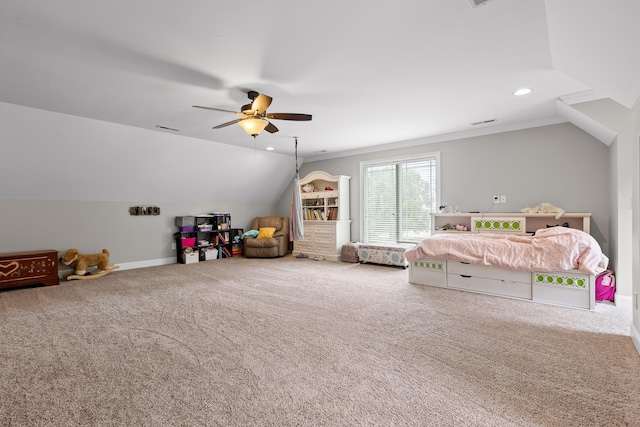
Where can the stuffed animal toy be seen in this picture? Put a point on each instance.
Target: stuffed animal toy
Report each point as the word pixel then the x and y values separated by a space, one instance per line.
pixel 80 262
pixel 544 208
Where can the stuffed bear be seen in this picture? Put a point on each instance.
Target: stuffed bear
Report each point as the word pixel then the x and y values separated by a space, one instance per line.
pixel 80 262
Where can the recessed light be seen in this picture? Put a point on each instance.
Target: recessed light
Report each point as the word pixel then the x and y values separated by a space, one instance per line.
pixel 270 148
pixel 523 91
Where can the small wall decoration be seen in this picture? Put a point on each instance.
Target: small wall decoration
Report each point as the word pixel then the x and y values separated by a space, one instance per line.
pixel 144 210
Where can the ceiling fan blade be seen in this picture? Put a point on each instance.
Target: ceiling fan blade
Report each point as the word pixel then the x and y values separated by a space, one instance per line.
pixel 216 109
pixel 261 103
pixel 227 124
pixel 271 128
pixel 247 110
pixel 289 116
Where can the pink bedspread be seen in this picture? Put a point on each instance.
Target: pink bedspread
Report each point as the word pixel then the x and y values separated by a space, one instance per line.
pixel 551 249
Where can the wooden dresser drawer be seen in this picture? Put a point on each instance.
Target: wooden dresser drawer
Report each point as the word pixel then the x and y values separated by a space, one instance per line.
pixel 325 238
pixel 324 248
pixel 328 227
pixel 302 245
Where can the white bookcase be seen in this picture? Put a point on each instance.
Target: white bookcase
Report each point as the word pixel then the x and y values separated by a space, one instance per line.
pixel 325 213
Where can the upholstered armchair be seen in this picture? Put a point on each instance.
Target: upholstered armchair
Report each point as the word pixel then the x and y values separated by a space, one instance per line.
pixel 272 239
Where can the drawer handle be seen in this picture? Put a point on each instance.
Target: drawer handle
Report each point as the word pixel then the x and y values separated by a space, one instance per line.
pixel 462 262
pixel 465 276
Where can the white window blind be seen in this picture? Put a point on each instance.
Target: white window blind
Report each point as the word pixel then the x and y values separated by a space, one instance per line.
pixel 398 199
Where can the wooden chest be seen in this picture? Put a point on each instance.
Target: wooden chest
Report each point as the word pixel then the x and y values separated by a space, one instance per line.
pixel 29 268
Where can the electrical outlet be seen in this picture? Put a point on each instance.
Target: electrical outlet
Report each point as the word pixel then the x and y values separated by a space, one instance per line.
pixel 173 246
pixel 496 199
pixel 503 199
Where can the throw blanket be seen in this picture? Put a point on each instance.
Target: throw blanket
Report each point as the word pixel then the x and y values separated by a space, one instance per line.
pixel 551 249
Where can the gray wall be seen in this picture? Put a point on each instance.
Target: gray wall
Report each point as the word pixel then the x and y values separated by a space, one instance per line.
pixel 91 226
pixel 68 181
pixel 559 164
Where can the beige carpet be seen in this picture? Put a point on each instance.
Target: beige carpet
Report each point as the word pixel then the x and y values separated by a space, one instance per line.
pixel 291 342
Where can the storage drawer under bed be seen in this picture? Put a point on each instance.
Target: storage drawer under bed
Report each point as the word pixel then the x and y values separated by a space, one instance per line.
pixel 428 272
pixel 570 288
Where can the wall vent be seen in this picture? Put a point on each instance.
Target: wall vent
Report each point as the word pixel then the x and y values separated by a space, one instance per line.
pixel 483 122
pixel 167 128
pixel 477 3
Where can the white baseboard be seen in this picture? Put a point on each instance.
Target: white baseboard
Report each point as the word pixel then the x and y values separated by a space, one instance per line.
pixel 623 301
pixel 64 270
pixel 635 337
pixel 147 263
pixel 627 303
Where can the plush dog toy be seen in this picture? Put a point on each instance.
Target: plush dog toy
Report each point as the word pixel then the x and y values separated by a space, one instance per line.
pixel 80 262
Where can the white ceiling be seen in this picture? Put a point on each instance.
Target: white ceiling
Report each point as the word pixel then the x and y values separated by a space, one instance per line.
pixel 370 73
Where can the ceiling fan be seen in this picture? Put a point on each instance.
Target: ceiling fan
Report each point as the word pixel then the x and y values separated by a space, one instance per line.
pixel 255 115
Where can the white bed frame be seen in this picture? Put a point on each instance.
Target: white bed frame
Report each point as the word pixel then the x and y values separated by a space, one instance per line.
pixel 567 288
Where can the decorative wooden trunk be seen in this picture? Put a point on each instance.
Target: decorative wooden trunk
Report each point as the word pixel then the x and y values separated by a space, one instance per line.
pixel 28 268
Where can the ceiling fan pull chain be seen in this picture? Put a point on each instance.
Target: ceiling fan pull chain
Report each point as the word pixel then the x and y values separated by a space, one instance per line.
pixel 296 154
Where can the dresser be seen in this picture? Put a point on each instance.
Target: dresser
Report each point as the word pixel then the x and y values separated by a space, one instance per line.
pixel 29 268
pixel 323 238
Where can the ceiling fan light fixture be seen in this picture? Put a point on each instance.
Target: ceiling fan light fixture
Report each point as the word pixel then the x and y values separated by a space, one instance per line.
pixel 253 125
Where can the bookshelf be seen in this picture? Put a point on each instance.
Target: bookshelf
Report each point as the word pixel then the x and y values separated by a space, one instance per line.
pixel 204 237
pixel 325 214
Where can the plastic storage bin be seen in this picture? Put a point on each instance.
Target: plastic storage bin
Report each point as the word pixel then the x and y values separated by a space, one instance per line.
pixel 185 221
pixel 188 241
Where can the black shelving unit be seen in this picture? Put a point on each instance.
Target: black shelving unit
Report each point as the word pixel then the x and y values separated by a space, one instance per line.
pixel 237 247
pixel 203 237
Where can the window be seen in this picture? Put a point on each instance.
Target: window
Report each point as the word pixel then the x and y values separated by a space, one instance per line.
pixel 399 196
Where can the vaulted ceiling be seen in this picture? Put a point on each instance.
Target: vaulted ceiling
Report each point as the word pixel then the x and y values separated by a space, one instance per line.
pixel 370 73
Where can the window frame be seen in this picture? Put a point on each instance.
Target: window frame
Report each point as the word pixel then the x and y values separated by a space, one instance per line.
pixel 395 161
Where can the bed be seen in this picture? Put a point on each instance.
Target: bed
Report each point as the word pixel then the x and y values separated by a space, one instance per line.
pixel 556 265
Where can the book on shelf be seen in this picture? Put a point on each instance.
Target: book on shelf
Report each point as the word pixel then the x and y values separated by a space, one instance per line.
pixel 333 214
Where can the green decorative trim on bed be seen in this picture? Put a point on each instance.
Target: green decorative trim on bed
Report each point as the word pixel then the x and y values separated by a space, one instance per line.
pixel 494 224
pixel 562 280
pixel 433 265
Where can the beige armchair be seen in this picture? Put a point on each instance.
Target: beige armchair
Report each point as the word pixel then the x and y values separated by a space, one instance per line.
pixel 268 247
